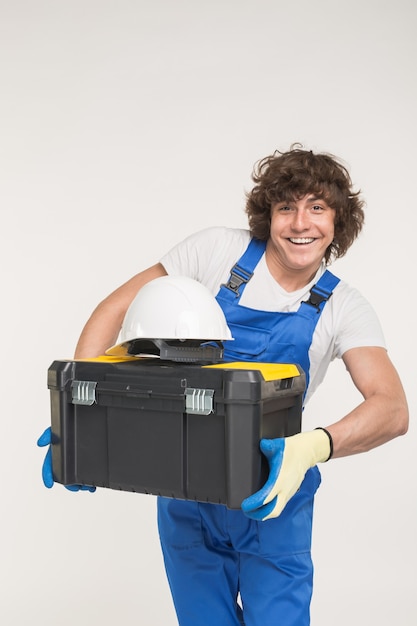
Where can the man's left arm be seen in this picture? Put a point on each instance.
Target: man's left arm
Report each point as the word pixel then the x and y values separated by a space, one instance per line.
pixel 382 415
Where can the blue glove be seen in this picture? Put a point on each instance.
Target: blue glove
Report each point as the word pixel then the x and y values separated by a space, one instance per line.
pixel 289 459
pixel 47 475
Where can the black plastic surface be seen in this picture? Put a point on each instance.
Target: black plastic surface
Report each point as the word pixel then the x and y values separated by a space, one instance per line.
pixel 138 437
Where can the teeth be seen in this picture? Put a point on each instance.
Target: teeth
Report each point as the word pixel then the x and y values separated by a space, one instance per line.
pixel 302 239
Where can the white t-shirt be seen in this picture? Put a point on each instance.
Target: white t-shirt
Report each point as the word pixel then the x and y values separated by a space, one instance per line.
pixel 347 321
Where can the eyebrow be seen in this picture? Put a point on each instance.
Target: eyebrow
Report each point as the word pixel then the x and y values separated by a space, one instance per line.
pixel 310 198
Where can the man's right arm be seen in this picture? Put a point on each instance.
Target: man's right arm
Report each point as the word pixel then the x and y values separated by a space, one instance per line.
pixel 102 329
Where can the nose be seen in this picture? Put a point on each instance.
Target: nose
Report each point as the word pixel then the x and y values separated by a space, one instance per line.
pixel 301 220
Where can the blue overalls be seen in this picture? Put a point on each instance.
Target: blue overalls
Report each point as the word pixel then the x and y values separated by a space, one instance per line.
pixel 212 553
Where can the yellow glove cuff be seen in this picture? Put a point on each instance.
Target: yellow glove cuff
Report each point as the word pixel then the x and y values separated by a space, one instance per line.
pixel 311 447
pixel 330 442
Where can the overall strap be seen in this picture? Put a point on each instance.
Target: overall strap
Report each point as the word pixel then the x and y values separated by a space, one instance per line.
pixel 242 271
pixel 320 294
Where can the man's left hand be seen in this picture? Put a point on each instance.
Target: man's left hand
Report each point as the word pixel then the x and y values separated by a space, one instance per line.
pixel 289 459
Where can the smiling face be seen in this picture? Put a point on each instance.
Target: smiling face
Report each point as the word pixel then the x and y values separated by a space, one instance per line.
pixel 301 231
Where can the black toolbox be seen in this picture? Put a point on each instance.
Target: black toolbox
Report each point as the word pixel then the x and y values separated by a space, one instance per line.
pixel 183 431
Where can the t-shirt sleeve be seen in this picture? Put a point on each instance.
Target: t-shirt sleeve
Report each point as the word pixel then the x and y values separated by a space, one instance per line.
pixel 358 325
pixel 183 259
pixel 207 255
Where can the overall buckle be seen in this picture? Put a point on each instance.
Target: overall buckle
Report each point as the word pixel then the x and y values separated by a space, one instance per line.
pixel 317 297
pixel 238 277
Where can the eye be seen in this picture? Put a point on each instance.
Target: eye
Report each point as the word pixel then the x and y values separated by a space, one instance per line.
pixel 316 208
pixel 284 208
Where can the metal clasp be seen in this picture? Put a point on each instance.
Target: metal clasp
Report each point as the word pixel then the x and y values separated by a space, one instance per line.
pixel 199 401
pixel 83 392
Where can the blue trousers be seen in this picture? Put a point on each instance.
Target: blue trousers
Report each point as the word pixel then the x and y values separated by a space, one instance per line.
pixel 212 554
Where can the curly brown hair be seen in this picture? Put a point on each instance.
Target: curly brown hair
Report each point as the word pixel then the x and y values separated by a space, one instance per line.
pixel 286 176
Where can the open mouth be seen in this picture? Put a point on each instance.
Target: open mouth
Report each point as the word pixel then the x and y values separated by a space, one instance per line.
pixel 301 240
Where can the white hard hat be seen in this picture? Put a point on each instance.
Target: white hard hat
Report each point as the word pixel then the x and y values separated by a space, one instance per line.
pixel 173 307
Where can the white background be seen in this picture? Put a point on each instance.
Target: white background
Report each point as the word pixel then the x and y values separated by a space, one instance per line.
pixel 125 126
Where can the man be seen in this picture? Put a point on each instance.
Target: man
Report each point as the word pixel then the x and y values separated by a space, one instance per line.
pixel 283 305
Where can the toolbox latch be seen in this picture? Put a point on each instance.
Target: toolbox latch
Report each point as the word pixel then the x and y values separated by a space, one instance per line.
pixel 83 392
pixel 199 401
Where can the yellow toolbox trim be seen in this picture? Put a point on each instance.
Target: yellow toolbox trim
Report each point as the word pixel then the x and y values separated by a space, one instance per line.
pixel 110 359
pixel 269 371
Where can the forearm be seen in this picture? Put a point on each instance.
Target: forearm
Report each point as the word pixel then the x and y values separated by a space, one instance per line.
pixel 102 329
pixel 100 332
pixel 374 422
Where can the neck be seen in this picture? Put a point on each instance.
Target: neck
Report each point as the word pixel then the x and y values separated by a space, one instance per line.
pixel 290 279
